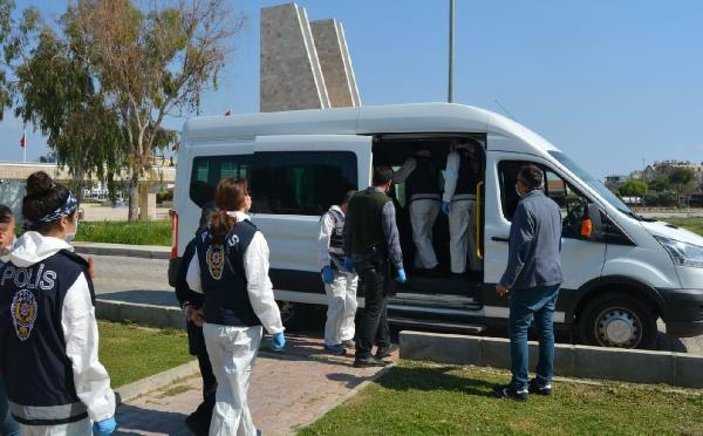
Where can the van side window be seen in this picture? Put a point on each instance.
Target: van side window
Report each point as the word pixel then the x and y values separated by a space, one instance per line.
pixel 572 204
pixel 297 183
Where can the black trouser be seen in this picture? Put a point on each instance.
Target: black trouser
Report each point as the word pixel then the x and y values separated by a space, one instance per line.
pixel 197 346
pixel 375 280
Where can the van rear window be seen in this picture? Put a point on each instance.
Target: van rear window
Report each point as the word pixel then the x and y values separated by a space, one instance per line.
pixel 297 183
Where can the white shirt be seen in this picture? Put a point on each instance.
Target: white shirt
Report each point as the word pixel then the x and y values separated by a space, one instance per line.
pixel 451 175
pixel 256 270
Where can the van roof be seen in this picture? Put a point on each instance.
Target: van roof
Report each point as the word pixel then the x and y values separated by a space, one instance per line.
pixel 364 120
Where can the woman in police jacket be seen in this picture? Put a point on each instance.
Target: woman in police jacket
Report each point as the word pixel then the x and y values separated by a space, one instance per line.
pixel 48 332
pixel 230 267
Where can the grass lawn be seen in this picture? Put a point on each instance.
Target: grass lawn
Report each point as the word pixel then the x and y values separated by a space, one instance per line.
pixel 130 352
pixel 122 232
pixel 692 224
pixel 419 398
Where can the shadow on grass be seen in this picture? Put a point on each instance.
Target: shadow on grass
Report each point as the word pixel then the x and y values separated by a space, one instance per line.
pixel 434 379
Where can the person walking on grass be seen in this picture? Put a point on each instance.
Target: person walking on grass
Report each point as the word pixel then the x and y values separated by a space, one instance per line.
pixel 48 332
pixel 531 280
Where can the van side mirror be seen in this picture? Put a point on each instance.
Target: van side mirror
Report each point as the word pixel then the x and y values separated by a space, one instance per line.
pixel 592 223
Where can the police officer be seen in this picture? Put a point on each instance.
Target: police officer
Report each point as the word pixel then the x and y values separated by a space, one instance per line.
pixel 461 176
pixel 8 426
pixel 48 332
pixel 230 267
pixel 372 246
pixel 191 302
pixel 340 284
pixel 422 183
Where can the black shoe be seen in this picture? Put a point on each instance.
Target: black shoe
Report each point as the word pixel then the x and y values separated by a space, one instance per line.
pixel 509 391
pixel 383 352
pixel 540 388
pixel 368 362
pixel 196 425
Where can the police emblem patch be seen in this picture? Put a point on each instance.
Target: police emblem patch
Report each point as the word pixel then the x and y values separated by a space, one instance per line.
pixel 24 312
pixel 215 259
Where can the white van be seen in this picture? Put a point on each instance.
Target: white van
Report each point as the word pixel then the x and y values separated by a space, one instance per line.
pixel 622 272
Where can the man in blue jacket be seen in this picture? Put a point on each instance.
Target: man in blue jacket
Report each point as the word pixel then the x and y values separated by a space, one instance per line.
pixel 531 281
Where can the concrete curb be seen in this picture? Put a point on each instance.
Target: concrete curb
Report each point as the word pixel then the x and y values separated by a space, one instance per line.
pixel 640 366
pixel 145 314
pixel 149 384
pixel 141 251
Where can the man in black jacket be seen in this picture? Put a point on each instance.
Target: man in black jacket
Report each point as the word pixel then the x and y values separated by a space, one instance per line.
pixel 191 302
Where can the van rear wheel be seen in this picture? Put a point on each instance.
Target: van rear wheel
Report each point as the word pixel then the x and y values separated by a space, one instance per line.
pixel 618 320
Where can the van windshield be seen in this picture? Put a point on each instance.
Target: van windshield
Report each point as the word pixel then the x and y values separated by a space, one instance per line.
pixel 593 183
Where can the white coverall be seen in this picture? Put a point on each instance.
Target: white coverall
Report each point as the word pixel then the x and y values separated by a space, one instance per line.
pixel 341 293
pixel 233 349
pixel 462 238
pixel 80 331
pixel 423 213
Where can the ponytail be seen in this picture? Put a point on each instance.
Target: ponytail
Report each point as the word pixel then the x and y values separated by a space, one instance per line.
pixel 221 225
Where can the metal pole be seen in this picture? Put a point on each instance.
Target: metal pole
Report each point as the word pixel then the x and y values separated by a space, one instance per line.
pixel 450 91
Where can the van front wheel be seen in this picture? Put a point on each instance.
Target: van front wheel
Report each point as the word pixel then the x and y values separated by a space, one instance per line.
pixel 618 320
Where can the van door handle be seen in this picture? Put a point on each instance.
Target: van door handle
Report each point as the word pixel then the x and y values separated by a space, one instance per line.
pixel 500 239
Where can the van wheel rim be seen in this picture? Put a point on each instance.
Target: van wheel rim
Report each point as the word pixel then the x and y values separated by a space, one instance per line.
pixel 287 310
pixel 618 327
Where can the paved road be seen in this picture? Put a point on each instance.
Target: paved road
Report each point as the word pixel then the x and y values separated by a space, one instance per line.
pixel 146 281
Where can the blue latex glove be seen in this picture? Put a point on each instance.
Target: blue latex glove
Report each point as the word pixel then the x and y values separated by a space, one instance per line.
pixel 278 341
pixel 327 275
pixel 445 207
pixel 401 278
pixel 348 264
pixel 105 427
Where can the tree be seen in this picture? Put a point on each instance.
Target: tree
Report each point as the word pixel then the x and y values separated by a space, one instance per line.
pixel 680 176
pixel 633 188
pixel 150 64
pixel 56 93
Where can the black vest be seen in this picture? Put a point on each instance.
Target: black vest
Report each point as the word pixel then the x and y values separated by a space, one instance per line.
pixel 38 375
pixel 366 216
pixel 223 279
pixel 336 248
pixel 423 180
pixel 468 177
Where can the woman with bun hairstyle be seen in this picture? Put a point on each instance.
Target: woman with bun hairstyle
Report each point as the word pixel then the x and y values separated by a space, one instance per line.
pixel 230 267
pixel 48 332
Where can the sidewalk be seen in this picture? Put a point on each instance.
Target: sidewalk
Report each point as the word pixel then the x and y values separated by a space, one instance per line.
pixel 287 391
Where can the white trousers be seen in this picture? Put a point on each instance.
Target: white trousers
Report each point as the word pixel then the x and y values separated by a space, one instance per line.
pixel 462 237
pixel 232 352
pixel 79 428
pixel 423 214
pixel 341 308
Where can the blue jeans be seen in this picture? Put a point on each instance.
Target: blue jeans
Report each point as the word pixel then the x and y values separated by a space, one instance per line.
pixel 8 426
pixel 525 305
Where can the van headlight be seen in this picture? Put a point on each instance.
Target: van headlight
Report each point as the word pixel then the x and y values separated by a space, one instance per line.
pixel 682 253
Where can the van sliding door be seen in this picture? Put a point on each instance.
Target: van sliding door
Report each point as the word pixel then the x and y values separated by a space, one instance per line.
pixel 294 180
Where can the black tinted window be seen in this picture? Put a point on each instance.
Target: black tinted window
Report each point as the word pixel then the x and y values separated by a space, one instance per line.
pixel 300 183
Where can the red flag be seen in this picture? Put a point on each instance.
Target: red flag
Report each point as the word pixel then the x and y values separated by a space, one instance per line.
pixel 23 141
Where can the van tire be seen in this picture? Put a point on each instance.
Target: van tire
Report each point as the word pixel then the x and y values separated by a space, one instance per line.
pixel 618 320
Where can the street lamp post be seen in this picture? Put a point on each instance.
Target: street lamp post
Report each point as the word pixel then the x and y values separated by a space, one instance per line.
pixel 450 90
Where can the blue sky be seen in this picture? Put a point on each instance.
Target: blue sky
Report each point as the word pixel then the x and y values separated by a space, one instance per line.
pixel 610 83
